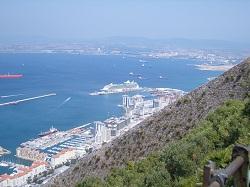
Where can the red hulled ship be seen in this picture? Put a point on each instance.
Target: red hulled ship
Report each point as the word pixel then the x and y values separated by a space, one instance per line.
pixel 11 76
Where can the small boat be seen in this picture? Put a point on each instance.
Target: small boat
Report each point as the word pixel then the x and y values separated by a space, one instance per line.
pixel 2 164
pixel 161 77
pixel 142 60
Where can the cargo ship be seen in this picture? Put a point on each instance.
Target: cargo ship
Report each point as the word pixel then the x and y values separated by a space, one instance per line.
pixel 11 76
pixel 52 130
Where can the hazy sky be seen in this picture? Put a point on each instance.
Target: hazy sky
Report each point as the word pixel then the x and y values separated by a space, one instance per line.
pixel 89 19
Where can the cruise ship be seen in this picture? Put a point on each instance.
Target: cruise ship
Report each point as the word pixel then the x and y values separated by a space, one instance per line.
pixel 127 86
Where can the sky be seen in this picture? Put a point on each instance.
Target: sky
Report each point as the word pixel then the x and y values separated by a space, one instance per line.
pixel 92 19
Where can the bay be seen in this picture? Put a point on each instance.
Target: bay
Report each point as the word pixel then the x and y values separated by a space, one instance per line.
pixel 72 77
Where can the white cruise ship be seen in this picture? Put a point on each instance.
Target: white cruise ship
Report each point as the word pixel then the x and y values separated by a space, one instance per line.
pixel 127 86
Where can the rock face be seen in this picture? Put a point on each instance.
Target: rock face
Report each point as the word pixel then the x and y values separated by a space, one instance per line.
pixel 160 129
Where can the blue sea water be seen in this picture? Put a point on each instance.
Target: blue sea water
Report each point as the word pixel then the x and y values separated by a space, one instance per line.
pixel 76 76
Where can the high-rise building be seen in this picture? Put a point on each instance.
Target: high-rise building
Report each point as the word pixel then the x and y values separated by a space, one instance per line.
pixel 103 133
pixel 126 101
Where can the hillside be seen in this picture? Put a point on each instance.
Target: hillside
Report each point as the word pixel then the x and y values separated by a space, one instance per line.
pixel 172 123
pixel 181 162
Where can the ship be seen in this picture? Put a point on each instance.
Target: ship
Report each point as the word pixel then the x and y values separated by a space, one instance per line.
pixel 111 88
pixel 128 85
pixel 11 76
pixel 52 130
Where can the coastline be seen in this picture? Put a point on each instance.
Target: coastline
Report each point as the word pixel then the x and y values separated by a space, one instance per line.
pixel 206 67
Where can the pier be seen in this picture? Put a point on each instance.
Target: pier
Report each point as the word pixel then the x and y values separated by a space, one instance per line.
pixel 27 99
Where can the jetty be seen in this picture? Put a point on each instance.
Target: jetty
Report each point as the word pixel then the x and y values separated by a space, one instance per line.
pixel 27 99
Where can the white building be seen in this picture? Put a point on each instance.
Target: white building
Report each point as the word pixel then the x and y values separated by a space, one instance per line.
pixel 115 124
pixel 126 101
pixel 131 102
pixel 62 157
pixel 24 173
pixel 103 133
pixel 137 99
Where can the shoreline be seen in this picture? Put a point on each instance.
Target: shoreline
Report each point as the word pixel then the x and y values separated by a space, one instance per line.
pixel 206 67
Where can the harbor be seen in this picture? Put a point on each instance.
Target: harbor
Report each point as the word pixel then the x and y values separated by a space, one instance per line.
pixel 55 149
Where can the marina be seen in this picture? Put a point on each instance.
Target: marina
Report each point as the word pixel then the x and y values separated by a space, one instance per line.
pixel 54 149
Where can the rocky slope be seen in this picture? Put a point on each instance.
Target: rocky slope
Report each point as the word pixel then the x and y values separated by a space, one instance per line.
pixel 155 132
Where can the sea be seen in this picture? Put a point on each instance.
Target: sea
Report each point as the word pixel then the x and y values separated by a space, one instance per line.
pixel 72 77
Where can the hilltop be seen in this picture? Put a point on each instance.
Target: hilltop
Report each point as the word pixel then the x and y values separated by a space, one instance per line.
pixel 170 124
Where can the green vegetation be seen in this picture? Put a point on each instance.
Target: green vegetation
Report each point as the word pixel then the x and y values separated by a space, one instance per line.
pixel 181 162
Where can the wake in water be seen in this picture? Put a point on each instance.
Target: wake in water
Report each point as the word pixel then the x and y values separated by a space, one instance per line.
pixel 60 105
pixel 7 96
pixel 64 102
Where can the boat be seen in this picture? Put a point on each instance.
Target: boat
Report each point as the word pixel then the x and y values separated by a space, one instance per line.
pixel 111 88
pixel 162 77
pixel 3 164
pixel 128 85
pixel 11 76
pixel 142 60
pixel 52 130
pixel 139 77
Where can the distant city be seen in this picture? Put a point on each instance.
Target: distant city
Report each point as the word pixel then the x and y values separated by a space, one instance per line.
pixel 224 58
